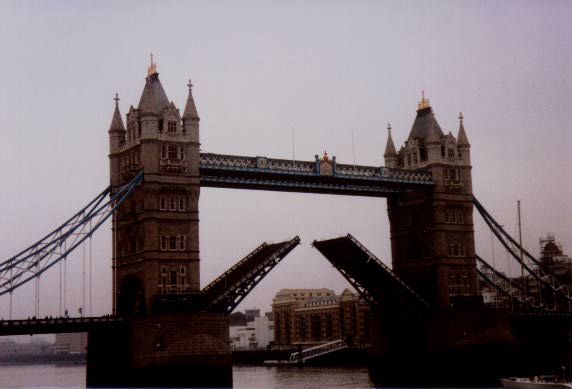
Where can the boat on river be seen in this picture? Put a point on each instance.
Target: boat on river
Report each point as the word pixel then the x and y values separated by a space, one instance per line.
pixel 540 382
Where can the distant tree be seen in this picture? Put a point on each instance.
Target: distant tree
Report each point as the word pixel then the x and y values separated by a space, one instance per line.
pixel 237 319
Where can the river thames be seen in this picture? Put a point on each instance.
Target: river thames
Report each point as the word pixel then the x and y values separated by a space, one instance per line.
pixel 245 377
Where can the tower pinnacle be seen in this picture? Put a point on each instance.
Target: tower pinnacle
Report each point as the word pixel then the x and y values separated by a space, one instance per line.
pixel 462 139
pixel 424 103
pixel 116 121
pixel 190 112
pixel 152 68
pixel 389 147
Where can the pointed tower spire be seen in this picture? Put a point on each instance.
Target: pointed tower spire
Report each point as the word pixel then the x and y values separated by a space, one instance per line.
pixel 116 121
pixel 147 104
pixel 462 139
pixel 190 112
pixel 390 156
pixel 433 136
pixel 389 147
pixel 152 68
pixel 116 129
pixel 424 103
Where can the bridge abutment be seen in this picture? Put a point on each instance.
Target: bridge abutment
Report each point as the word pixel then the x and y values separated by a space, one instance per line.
pixel 164 350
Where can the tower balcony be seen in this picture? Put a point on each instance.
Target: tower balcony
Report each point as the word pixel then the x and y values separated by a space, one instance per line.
pixel 173 165
pixel 453 186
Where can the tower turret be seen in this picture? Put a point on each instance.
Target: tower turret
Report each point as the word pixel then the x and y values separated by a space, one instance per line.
pixel 156 229
pixel 153 104
pixel 116 129
pixel 116 141
pixel 390 154
pixel 191 117
pixel 463 145
pixel 149 112
pixel 433 246
pixel 433 144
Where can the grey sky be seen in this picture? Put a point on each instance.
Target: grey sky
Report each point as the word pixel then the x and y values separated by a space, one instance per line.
pixel 328 69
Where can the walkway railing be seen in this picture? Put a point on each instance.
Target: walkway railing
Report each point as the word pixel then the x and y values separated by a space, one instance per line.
pixel 316 351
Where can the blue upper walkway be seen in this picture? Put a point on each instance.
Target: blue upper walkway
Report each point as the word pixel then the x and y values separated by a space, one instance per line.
pixel 324 175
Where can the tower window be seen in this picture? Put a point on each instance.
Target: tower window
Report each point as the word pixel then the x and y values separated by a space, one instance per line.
pixel 172 126
pixel 182 242
pixel 162 203
pixel 172 242
pixel 163 152
pixel 180 153
pixel 172 152
pixel 456 250
pixel 181 204
pixel 173 280
pixel 451 153
pixel 172 204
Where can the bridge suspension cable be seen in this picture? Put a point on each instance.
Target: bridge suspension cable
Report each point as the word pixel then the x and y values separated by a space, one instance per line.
pixel 58 244
pixel 503 284
pixel 544 277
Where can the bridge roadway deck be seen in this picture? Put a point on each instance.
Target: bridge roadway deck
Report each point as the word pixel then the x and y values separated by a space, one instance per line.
pixel 241 172
pixel 57 325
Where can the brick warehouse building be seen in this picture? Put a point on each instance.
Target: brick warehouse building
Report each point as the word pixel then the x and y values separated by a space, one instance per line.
pixel 310 316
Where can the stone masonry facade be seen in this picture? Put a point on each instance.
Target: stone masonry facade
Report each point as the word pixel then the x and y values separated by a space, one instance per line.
pixel 156 230
pixel 432 234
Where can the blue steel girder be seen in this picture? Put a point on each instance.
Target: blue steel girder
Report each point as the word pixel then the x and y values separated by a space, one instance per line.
pixel 329 177
pixel 231 287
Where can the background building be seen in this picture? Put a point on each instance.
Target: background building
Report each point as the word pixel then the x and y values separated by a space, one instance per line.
pixel 553 262
pixel 257 333
pixel 71 343
pixel 307 316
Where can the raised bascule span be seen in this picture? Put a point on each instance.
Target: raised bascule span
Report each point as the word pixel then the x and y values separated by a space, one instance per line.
pixel 373 280
pixel 231 287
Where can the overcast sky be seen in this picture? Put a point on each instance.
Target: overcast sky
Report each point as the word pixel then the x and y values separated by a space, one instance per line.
pixel 327 69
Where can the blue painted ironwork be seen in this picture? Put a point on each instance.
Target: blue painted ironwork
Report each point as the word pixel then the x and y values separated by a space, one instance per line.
pixel 58 244
pixel 319 176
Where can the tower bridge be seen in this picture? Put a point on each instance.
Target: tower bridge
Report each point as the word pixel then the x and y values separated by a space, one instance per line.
pixel 166 331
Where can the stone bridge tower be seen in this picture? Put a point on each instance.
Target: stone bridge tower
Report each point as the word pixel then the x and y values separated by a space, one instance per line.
pixel 432 236
pixel 156 230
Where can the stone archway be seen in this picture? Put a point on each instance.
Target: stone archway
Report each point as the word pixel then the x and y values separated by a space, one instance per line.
pixel 131 297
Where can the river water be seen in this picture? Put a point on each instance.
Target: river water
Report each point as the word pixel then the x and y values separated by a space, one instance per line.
pixel 245 377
